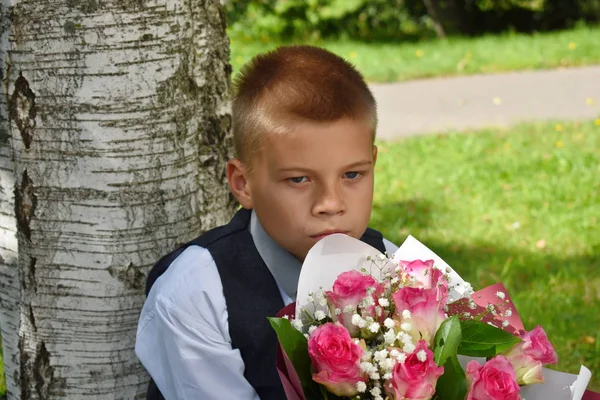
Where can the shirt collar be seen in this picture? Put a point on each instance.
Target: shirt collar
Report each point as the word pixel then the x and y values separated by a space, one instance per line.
pixel 284 266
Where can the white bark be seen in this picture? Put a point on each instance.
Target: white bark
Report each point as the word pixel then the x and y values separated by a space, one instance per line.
pixel 119 132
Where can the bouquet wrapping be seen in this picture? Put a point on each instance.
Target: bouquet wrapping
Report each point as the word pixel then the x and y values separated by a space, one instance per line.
pixel 366 326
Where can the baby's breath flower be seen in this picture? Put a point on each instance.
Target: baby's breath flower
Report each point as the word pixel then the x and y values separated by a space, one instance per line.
pixel 310 298
pixel 504 324
pixel 323 302
pixel 374 375
pixel 467 314
pixel 422 355
pixel 380 355
pixel 383 302
pixel 375 391
pixel 500 295
pixel 491 308
pixel 319 315
pixel 367 367
pixel 374 327
pixel 508 313
pixel 389 323
pixel 358 321
pixel 406 314
pixel 348 309
pixel 387 364
pixel 366 356
pixel 381 257
pixel 395 280
pixel 387 376
pixel 406 326
pixel 401 357
pixel 472 305
pixel 371 290
pixel 409 348
pixel 389 337
pixel 361 387
pixel 297 323
pixel 311 329
pixel 337 311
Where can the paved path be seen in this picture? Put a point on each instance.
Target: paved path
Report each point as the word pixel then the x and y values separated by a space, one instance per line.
pixel 451 104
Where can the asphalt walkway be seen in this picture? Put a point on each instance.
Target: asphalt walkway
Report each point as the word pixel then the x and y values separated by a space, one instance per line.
pixel 463 103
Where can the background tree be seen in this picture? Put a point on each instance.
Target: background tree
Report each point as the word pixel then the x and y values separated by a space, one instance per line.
pixel 113 141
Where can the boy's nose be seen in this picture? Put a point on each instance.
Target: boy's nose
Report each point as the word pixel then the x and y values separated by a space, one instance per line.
pixel 330 202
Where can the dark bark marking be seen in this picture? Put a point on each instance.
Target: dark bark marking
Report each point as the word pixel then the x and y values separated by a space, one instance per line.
pixel 32 318
pixel 23 110
pixel 131 276
pixel 43 372
pixel 31 276
pixel 23 377
pixel 25 204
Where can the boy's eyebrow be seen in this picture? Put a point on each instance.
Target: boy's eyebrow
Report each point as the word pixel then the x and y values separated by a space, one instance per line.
pixel 363 163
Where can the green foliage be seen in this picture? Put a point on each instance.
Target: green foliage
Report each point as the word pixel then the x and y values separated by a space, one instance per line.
pixel 394 20
pixel 482 340
pixel 2 382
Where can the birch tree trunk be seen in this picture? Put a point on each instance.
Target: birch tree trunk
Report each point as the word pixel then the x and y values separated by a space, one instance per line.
pixel 114 132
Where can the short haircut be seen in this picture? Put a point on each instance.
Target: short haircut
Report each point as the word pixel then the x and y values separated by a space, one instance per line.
pixel 292 84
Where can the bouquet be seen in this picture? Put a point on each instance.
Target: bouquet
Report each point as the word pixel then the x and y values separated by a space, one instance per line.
pixel 366 326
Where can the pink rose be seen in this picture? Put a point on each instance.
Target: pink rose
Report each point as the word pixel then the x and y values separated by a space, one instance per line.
pixel 416 377
pixel 528 356
pixel 426 308
pixel 420 271
pixel 349 289
pixel 495 380
pixel 336 358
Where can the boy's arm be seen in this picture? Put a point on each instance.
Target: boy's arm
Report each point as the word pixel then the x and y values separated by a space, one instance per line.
pixel 183 339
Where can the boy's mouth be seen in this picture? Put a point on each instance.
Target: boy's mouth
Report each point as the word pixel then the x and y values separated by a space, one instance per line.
pixel 323 234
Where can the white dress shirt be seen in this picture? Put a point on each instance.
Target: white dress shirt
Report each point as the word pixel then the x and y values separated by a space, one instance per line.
pixel 183 334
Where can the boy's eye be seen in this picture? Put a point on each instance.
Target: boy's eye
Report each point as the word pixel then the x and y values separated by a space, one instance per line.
pixel 352 175
pixel 299 179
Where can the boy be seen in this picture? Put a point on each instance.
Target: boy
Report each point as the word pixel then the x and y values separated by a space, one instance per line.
pixel 304 128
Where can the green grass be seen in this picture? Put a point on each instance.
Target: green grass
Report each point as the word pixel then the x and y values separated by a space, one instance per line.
pixel 519 206
pixel 386 62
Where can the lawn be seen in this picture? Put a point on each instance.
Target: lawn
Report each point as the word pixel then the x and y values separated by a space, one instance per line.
pixel 387 62
pixel 520 206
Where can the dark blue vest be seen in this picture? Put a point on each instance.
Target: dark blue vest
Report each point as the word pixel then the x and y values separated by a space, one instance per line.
pixel 251 295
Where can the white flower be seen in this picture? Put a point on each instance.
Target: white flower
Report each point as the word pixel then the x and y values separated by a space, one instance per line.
pixel 361 387
pixel 406 326
pixel 378 311
pixel 381 355
pixel 472 305
pixel 500 295
pixel 311 329
pixel 297 323
pixel 387 375
pixel 348 309
pixel 310 298
pixel 319 315
pixel 389 323
pixel 375 391
pixel 395 280
pixel 358 320
pixel 383 302
pixel 367 367
pixel 370 290
pixel 374 327
pixel 389 337
pixel 366 356
pixel 508 313
pixel 374 375
pixel 422 355
pixel 337 311
pixel 406 314
pixel 409 348
pixel 504 324
pixel 381 257
pixel 387 364
pixel 323 302
pixel 401 357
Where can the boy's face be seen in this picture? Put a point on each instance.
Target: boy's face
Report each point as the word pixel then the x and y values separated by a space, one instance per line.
pixel 311 182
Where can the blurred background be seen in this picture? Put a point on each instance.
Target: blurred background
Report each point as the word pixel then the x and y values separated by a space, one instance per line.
pixel 489 138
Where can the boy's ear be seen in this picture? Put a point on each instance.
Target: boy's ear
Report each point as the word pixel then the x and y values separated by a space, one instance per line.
pixel 237 176
pixel 374 155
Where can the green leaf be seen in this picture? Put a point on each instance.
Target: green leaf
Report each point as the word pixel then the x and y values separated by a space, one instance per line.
pixel 452 385
pixel 482 340
pixel 295 346
pixel 447 339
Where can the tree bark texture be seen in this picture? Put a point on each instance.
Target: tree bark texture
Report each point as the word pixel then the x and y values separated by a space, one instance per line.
pixel 114 133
